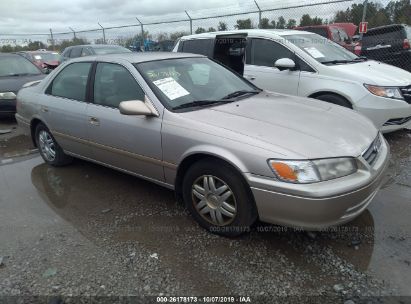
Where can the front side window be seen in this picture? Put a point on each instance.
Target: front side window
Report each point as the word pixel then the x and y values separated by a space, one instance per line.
pixel 186 81
pixel 16 65
pixel 266 53
pixel 113 84
pixel 321 49
pixel 71 82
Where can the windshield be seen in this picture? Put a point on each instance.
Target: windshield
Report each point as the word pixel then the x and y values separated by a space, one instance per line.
pixel 111 50
pixel 321 49
pixel 184 81
pixel 16 65
pixel 47 56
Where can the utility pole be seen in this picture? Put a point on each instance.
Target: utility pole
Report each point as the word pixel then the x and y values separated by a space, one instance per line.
pixel 74 32
pixel 52 39
pixel 142 33
pixel 104 33
pixel 259 14
pixel 191 23
pixel 364 14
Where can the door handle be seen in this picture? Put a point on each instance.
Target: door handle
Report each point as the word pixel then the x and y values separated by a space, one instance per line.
pixel 44 109
pixel 94 121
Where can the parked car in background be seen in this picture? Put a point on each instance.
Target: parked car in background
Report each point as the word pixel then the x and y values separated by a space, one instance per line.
pixel 333 32
pixel 306 64
pixel 42 59
pixel 92 49
pixel 232 151
pixel 15 71
pixel 389 44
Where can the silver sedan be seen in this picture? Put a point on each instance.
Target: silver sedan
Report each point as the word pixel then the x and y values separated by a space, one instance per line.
pixel 232 152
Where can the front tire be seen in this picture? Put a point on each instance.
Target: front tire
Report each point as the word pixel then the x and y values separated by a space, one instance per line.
pixel 218 198
pixel 49 149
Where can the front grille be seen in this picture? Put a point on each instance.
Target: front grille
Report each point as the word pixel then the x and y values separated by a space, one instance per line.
pixel 371 154
pixel 397 121
pixel 406 93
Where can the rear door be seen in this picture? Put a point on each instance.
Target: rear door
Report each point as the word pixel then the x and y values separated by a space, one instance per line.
pixel 64 109
pixel 261 71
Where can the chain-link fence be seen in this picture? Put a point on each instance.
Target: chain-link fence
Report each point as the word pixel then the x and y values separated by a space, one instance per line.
pixel 382 41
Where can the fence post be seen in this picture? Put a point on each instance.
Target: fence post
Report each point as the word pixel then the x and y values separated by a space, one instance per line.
pixel 364 14
pixel 74 32
pixel 52 40
pixel 259 13
pixel 104 33
pixel 191 23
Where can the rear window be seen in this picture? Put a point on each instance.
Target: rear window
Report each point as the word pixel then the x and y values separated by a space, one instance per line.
pixel 322 31
pixel 198 46
pixel 386 35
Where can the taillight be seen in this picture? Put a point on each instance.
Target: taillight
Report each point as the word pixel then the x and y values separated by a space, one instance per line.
pixel 406 44
pixel 357 49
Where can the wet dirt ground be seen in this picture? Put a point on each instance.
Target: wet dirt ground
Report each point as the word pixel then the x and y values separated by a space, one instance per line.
pixel 86 230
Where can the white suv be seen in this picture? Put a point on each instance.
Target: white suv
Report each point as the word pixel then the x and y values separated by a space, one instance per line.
pixel 306 64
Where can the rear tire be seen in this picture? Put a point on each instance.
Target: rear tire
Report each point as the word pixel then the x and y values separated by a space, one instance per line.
pixel 49 149
pixel 218 198
pixel 335 99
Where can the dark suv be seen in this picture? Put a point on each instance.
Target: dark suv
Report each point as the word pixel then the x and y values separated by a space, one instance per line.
pixel 389 44
pixel 92 49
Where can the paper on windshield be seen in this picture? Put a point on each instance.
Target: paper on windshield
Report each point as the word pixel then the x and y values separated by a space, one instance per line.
pixel 38 57
pixel 171 88
pixel 314 52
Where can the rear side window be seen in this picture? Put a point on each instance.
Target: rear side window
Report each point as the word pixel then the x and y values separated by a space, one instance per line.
pixel 71 82
pixel 322 31
pixel 75 52
pixel 266 53
pixel 198 46
pixel 113 84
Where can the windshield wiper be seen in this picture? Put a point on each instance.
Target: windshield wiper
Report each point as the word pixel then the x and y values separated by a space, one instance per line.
pixel 239 93
pixel 19 74
pixel 361 58
pixel 336 61
pixel 199 103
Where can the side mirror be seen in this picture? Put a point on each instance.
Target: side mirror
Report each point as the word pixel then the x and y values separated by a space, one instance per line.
pixel 136 107
pixel 284 64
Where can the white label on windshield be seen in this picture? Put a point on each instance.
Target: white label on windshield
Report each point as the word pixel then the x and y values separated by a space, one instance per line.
pixel 314 52
pixel 38 57
pixel 171 88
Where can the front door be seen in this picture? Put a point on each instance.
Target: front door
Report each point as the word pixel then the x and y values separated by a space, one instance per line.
pixel 131 143
pixel 261 71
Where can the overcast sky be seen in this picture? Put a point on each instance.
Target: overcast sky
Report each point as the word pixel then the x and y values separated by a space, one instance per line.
pixel 38 16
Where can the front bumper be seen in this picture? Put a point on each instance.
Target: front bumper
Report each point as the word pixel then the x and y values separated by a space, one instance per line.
pixel 7 106
pixel 319 205
pixel 385 112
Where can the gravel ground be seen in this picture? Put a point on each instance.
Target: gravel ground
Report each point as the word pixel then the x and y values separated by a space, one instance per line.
pixel 85 230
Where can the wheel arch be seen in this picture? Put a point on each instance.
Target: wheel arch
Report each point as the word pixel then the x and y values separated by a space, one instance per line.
pixel 315 95
pixel 33 125
pixel 194 156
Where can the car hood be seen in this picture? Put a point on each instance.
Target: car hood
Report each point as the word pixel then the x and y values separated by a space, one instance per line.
pixel 306 128
pixel 14 83
pixel 373 72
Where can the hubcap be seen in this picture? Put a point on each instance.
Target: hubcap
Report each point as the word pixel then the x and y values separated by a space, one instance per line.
pixel 47 146
pixel 214 200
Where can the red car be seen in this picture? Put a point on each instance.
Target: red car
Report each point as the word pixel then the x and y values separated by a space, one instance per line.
pixel 43 59
pixel 337 32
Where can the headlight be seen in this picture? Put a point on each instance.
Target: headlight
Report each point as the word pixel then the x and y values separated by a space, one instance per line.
pixel 7 95
pixel 312 171
pixel 389 92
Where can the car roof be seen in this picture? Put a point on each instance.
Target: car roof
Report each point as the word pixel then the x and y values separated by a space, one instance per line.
pixel 95 45
pixel 134 57
pixel 258 32
pixel 9 54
